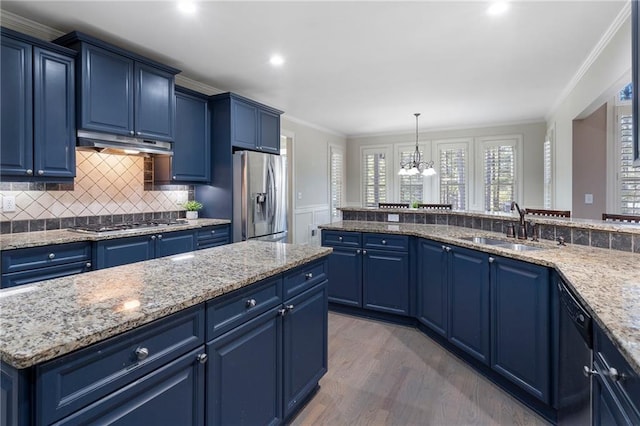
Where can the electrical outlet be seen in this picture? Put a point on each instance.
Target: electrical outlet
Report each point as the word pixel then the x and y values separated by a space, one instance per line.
pixel 8 203
pixel 393 218
pixel 588 198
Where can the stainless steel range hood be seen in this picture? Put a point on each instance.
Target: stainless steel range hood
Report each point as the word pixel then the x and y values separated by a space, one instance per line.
pixel 121 145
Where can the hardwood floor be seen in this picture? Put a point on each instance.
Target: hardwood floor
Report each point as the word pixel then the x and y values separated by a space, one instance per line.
pixel 384 374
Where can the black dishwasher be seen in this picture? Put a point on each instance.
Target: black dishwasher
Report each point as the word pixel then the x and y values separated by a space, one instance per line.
pixel 576 344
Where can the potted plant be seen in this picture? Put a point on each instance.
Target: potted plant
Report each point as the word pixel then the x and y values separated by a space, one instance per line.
pixel 192 209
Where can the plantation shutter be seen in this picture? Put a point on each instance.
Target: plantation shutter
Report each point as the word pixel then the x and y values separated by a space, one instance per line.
pixel 374 179
pixel 629 176
pixel 453 176
pixel 336 180
pixel 548 180
pixel 499 176
pixel 411 187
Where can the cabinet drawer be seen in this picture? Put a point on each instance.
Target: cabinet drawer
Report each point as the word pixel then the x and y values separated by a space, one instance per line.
pixel 215 242
pixel 341 239
pixel 241 305
pixel 26 277
pixel 386 242
pixel 300 279
pixel 213 232
pixel 40 257
pixel 73 381
pixel 609 356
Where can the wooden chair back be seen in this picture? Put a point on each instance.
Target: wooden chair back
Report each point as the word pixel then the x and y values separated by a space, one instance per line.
pixel 435 206
pixel 393 205
pixel 549 213
pixel 621 217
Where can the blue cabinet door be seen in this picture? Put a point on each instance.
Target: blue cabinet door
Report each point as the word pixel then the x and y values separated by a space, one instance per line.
pixel 191 161
pixel 432 303
pixel 170 243
pixel 305 345
pixel 171 395
pixel 244 125
pixel 107 91
pixel 269 140
pixel 520 328
pixel 122 251
pixel 16 103
pixel 345 276
pixel 54 120
pixel 469 302
pixel 154 103
pixel 386 281
pixel 244 374
pixel 606 407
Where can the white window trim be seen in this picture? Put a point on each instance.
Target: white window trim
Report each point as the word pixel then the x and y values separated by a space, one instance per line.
pixel 481 142
pixel 387 149
pixel 466 143
pixel 423 147
pixel 338 149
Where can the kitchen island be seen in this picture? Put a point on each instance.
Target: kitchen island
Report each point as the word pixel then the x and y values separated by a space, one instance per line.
pixel 45 322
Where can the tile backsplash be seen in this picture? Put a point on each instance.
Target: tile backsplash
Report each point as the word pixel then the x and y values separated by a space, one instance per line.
pixel 104 185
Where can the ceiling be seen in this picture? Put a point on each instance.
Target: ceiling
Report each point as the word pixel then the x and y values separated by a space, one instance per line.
pixel 360 67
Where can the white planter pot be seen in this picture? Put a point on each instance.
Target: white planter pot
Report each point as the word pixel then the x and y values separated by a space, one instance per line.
pixel 192 215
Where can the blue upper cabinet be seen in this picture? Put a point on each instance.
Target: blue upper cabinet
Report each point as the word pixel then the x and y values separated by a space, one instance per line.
pixel 245 123
pixel 121 92
pixel 38 109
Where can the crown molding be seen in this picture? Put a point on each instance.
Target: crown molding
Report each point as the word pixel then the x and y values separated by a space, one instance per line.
pixel 189 83
pixel 29 27
pixel 620 19
pixel 312 125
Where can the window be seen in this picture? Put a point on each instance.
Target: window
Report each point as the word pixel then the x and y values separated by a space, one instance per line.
pixel 411 187
pixel 452 174
pixel 336 177
pixel 374 180
pixel 626 94
pixel 500 160
pixel 628 176
pixel 547 162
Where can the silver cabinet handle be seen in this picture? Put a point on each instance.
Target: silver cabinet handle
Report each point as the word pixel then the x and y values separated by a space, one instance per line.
pixel 289 308
pixel 491 259
pixel 173 177
pixel 384 242
pixel 282 312
pixel 358 251
pixel 213 232
pixel 308 275
pixel 52 255
pixel 251 303
pixel 339 238
pixel 364 252
pixel 131 132
pixel 446 248
pixel 29 171
pixel 202 358
pixel 588 371
pixel 159 236
pixel 141 353
pixel 40 172
pixel 153 237
pixel 88 264
pixel 138 133
pixel 615 375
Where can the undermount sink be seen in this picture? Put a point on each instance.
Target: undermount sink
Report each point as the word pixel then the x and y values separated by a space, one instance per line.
pixel 502 244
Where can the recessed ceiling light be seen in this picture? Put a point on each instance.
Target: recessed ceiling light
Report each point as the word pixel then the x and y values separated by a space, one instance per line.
pixel 497 8
pixel 276 60
pixel 188 7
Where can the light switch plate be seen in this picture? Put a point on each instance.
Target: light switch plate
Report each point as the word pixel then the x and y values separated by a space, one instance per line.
pixel 393 218
pixel 588 198
pixel 8 203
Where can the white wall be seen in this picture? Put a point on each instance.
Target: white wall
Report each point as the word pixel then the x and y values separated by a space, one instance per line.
pixel 610 70
pixel 532 136
pixel 310 162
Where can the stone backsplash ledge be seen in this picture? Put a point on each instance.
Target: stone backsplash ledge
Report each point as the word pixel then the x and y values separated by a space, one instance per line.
pixel 107 188
pixel 609 235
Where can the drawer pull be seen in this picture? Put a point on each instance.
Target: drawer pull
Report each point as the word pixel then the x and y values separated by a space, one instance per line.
pixel 308 275
pixel 88 264
pixel 52 255
pixel 142 353
pixel 289 308
pixel 588 371
pixel 213 232
pixel 251 303
pixel 282 312
pixel 615 375
pixel 40 172
pixel 384 242
pixel 159 236
pixel 153 237
pixel 29 172
pixel 364 252
pixel 492 259
pixel 339 238
pixel 202 358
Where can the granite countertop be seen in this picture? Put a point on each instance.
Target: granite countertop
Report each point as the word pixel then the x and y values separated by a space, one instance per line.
pixel 61 236
pixel 606 281
pixel 47 319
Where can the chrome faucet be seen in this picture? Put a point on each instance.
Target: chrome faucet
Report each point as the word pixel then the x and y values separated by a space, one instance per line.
pixel 522 227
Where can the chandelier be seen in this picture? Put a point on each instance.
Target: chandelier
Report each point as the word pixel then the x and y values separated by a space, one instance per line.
pixel 416 166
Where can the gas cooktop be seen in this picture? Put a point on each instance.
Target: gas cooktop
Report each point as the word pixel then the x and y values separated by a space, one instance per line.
pixel 124 227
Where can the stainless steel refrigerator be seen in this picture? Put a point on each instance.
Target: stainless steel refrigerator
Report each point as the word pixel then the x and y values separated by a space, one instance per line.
pixel 259 196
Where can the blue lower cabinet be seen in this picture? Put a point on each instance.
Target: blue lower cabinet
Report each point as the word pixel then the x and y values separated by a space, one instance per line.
pixel 520 325
pixel 244 374
pixel 170 243
pixel 305 346
pixel 469 302
pixel 121 251
pixel 432 286
pixel 385 284
pixel 171 395
pixel 345 285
